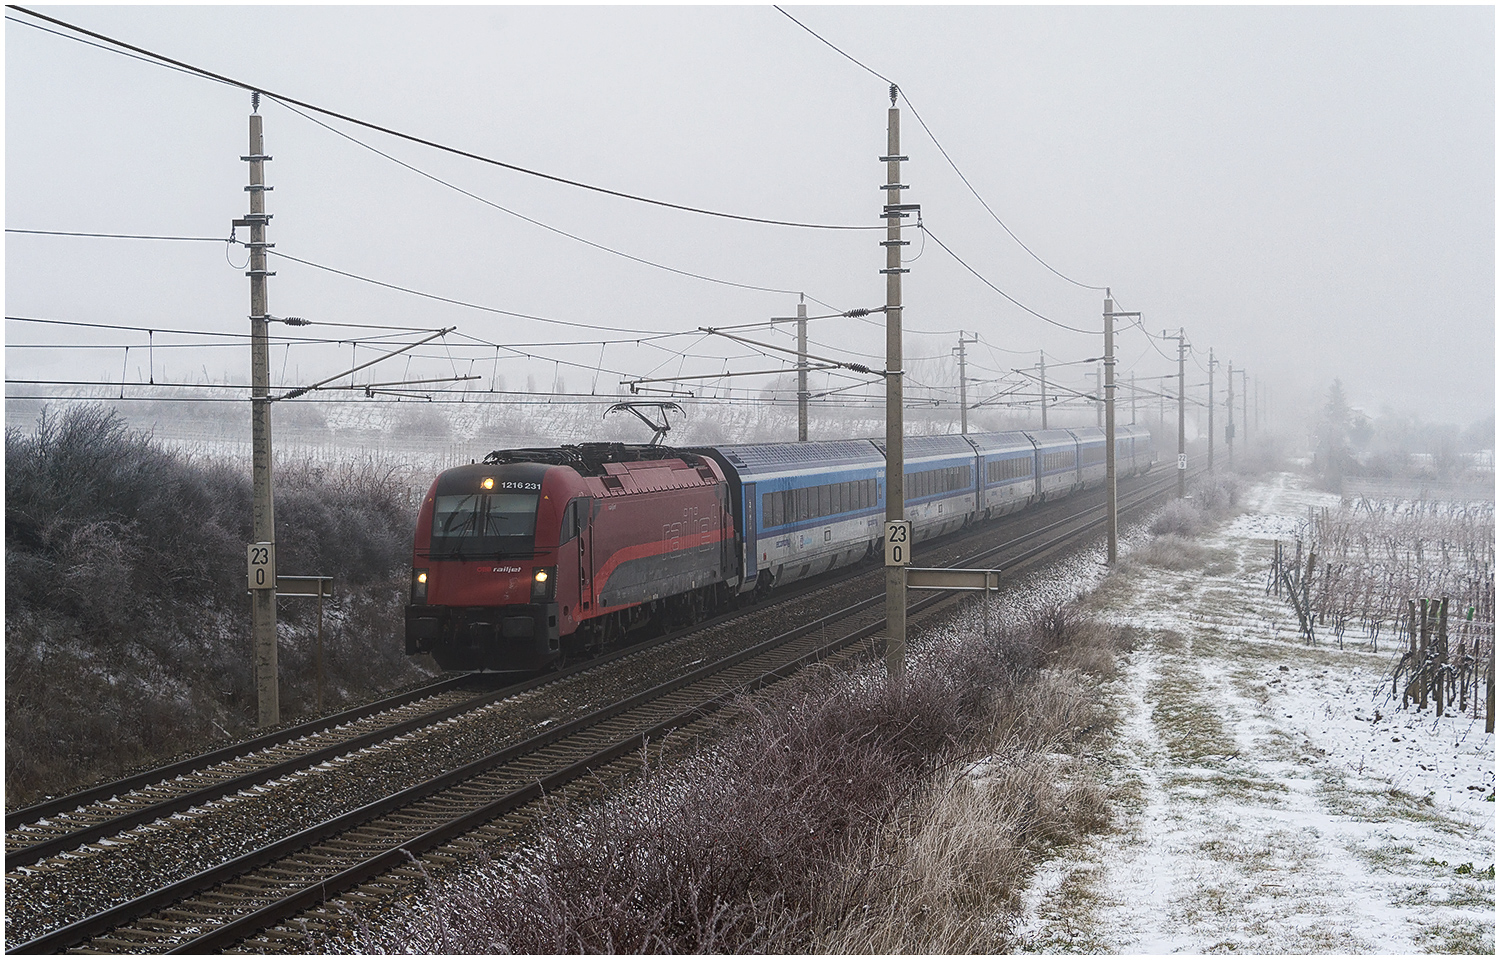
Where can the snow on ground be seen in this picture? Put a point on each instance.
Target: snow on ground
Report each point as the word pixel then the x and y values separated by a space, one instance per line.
pixel 1273 798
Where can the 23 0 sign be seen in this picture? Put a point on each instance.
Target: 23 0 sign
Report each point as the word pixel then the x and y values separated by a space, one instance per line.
pixel 260 559
pixel 898 543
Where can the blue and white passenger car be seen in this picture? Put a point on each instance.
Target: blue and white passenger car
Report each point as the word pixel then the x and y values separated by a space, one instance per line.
pixel 1007 472
pixel 941 489
pixel 1056 463
pixel 1092 466
pixel 803 508
pixel 1135 450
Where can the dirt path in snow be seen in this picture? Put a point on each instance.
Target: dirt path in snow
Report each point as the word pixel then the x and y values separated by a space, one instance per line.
pixel 1272 800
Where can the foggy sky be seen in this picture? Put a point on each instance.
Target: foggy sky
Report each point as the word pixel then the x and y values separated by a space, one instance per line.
pixel 1308 191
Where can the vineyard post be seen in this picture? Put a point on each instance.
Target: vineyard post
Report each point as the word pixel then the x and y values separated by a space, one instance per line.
pixel 1465 643
pixel 1446 673
pixel 1463 674
pixel 1440 657
pixel 1426 632
pixel 1312 564
pixel 1489 696
pixel 1411 627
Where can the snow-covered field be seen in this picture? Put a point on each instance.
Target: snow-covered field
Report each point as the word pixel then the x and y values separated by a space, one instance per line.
pixel 1275 799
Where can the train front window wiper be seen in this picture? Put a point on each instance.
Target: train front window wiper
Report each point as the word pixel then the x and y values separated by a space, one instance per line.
pixel 469 526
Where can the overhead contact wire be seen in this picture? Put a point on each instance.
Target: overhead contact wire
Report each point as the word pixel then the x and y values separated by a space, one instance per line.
pixel 938 240
pixel 522 216
pixel 460 303
pixel 434 144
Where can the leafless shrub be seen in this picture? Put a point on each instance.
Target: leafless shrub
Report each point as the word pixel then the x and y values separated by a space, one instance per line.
pixel 1363 561
pixel 1217 494
pixel 1181 518
pixel 1176 525
pixel 125 583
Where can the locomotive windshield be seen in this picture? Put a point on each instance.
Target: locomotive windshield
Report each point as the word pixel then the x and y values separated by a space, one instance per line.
pixel 483 525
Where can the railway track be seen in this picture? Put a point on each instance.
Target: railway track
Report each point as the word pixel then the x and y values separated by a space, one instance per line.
pixel 64 823
pixel 535 737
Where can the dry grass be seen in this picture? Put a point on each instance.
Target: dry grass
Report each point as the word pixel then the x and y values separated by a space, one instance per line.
pixel 947 872
pixel 1171 552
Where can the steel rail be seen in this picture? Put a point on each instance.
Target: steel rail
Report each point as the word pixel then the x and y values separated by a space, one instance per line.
pixel 64 804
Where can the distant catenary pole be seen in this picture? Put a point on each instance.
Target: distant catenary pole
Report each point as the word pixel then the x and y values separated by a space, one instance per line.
pixel 963 383
pixel 1245 404
pixel 802 371
pixel 1229 409
pixel 1211 363
pixel 1042 362
pixel 1112 511
pixel 1181 413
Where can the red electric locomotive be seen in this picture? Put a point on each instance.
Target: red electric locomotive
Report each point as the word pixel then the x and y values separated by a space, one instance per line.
pixel 534 552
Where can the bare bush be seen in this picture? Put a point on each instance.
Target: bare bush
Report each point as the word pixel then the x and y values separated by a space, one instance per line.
pixel 1364 561
pixel 125 590
pixel 1218 494
pixel 1182 518
pixel 1386 568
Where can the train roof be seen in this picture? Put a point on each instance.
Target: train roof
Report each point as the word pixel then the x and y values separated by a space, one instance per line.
pixel 1051 438
pixel 760 458
pixel 931 445
pixel 1007 442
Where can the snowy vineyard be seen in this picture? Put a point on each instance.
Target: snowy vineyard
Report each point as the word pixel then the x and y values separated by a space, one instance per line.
pixel 1420 574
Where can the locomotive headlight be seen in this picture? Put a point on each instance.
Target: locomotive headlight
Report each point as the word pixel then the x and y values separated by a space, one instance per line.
pixel 488 483
pixel 544 583
pixel 419 586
